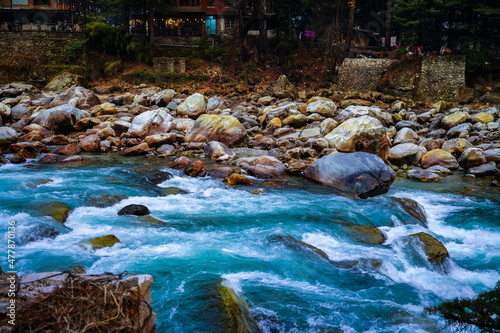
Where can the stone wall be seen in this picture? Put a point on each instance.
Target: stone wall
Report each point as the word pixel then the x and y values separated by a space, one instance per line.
pixel 440 76
pixel 361 74
pixel 40 55
pixel 435 79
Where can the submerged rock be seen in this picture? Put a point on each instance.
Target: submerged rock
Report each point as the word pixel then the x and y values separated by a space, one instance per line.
pixel 57 210
pixel 238 312
pixel 295 244
pixel 413 208
pixel 157 177
pixel 435 251
pixel 103 241
pixel 138 210
pixel 366 234
pixel 356 174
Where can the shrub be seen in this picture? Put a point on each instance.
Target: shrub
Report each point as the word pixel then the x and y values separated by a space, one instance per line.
pixel 115 41
pixel 465 313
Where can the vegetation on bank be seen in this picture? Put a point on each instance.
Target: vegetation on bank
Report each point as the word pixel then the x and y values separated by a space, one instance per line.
pixel 464 314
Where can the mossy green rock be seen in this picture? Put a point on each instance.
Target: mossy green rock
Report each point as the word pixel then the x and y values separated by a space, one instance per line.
pixel 435 251
pixel 238 312
pixel 103 241
pixel 56 210
pixel 366 234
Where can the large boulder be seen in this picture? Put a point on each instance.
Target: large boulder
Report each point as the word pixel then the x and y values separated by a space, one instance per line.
pixel 439 157
pixel 7 135
pixel 324 107
pixel 492 155
pixel 355 111
pixel 472 157
pixel 435 251
pixel 217 150
pixel 193 106
pixel 284 89
pixel 225 129
pixel 356 174
pixel 262 166
pixel 454 119
pixel 482 117
pixel 365 134
pixel 407 153
pixel 91 143
pixel 76 96
pixel 64 81
pixel 151 123
pixel 162 98
pixel 60 119
pixel 4 111
pixel 404 135
pixel 20 112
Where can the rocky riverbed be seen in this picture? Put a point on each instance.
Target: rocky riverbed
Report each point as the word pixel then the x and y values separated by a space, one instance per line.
pixel 285 131
pixel 353 144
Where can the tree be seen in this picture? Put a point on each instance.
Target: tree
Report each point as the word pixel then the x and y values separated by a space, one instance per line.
pixel 482 312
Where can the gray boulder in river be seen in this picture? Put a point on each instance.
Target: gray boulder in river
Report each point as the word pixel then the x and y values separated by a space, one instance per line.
pixel 354 174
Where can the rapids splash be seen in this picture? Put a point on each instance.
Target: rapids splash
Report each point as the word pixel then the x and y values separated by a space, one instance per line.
pixel 213 233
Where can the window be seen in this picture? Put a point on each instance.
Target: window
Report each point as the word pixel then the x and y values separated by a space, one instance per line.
pixel 230 3
pixel 191 3
pixel 211 3
pixel 20 2
pixel 42 2
pixel 230 23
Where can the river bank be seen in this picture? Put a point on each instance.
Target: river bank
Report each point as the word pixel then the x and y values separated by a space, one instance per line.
pixel 221 194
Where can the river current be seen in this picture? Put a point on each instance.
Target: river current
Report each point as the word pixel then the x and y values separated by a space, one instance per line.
pixel 213 234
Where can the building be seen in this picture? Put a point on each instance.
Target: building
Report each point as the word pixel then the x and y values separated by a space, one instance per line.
pixel 196 18
pixel 16 14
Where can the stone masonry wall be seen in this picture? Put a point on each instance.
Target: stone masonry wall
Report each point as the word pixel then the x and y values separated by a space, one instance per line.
pixel 440 77
pixel 34 53
pixel 437 80
pixel 361 74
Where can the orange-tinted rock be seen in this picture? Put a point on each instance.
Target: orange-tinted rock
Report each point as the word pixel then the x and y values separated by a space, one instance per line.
pixel 237 179
pixel 181 163
pixel 91 143
pixel 70 149
pixel 195 169
pixel 439 157
pixel 140 149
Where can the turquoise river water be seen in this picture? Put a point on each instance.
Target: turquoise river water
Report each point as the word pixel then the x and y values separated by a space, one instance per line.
pixel 215 233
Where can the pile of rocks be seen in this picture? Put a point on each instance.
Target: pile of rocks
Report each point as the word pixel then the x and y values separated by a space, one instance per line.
pixel 285 135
